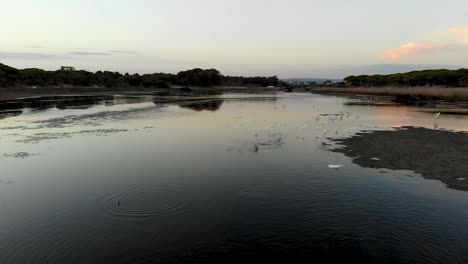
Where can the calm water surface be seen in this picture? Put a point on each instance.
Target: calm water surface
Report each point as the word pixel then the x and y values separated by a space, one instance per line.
pixel 236 178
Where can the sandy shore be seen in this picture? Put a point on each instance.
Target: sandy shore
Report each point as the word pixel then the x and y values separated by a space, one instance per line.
pixel 435 154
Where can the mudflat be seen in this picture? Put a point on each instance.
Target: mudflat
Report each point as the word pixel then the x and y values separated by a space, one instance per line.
pixel 435 154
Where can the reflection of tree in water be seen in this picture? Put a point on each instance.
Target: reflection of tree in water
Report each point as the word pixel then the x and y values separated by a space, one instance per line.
pixel 211 105
pixel 37 105
pixel 76 104
pixel 48 102
pixel 67 102
pixel 6 114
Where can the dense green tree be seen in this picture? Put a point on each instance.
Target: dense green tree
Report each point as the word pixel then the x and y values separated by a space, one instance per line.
pixel 131 80
pixel 254 81
pixel 8 75
pixel 452 78
pixel 156 81
pixel 35 76
pixel 76 78
pixel 107 78
pixel 199 77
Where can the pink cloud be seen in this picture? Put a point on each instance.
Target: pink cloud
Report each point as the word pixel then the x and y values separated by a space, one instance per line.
pixel 408 50
pixel 455 38
pixel 459 34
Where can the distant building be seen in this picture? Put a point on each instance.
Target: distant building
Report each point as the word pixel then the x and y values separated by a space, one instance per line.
pixel 67 68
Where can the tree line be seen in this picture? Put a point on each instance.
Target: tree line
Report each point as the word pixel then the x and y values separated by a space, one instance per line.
pixel 11 77
pixel 451 78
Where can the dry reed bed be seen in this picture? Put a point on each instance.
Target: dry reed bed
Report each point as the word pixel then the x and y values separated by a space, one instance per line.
pixel 434 92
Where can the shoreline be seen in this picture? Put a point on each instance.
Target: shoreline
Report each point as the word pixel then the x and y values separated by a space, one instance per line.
pixel 425 93
pixel 444 152
pixel 7 94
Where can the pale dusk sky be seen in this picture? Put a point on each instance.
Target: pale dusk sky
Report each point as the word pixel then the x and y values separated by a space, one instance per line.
pixel 294 38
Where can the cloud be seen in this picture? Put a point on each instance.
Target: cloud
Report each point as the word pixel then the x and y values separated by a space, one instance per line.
pixel 86 53
pixel 122 51
pixel 30 56
pixel 107 53
pixel 411 49
pixel 459 34
pixel 454 40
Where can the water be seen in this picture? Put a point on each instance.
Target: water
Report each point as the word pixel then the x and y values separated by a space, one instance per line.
pixel 237 178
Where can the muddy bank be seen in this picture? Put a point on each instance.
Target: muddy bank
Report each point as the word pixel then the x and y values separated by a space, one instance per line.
pixel 435 154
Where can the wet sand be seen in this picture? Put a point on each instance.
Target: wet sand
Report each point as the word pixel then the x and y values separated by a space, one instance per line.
pixel 435 154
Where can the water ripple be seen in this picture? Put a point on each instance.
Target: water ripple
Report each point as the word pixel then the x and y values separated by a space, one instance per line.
pixel 143 203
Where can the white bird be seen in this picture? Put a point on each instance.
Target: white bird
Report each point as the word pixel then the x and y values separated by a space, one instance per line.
pixel 437 115
pixel 332 166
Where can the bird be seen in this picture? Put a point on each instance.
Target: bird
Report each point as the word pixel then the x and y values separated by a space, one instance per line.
pixel 437 115
pixel 255 148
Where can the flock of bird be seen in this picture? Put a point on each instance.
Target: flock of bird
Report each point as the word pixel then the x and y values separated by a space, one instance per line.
pixel 272 136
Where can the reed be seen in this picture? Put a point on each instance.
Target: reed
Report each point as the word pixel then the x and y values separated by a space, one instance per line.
pixel 430 92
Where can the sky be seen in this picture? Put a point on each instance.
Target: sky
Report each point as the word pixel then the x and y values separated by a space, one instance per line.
pixel 287 38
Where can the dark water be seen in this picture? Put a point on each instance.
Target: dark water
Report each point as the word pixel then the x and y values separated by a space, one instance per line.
pixel 235 179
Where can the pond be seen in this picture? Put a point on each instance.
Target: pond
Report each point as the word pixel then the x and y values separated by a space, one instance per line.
pixel 221 179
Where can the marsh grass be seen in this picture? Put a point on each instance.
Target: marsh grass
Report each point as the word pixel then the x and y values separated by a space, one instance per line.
pixel 430 92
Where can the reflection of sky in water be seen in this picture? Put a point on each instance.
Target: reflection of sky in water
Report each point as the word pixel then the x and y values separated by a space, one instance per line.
pixel 410 116
pixel 86 189
pixel 234 122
